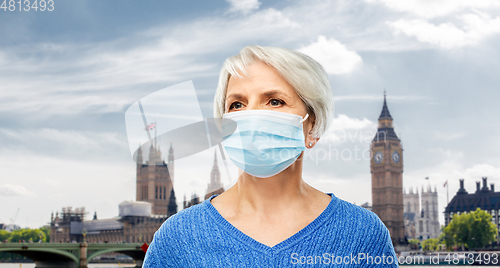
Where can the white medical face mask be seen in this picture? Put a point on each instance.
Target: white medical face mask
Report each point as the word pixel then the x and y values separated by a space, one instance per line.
pixel 265 142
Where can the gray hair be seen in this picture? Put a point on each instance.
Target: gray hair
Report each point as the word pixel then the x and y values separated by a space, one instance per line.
pixel 305 75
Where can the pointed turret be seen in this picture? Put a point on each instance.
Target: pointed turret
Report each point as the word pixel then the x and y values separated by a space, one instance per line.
pixel 385 111
pixel 152 155
pixel 139 156
pixel 172 204
pixel 385 129
pixel 159 160
pixel 170 164
pixel 215 186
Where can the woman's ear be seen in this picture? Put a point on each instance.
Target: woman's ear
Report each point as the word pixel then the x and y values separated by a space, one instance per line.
pixel 310 139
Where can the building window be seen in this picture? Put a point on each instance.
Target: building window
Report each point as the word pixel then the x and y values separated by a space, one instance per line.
pixel 164 192
pixel 156 192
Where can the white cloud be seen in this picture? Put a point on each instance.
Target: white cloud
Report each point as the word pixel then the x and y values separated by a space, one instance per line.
pixel 244 6
pixel 76 139
pixel 52 182
pixel 348 130
pixel 446 154
pixel 482 170
pixel 14 190
pixel 377 98
pixel 332 55
pixel 342 186
pixel 476 27
pixel 93 76
pixel 344 122
pixel 448 136
pixel 436 8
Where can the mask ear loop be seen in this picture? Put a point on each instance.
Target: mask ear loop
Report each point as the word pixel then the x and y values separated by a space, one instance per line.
pixel 305 117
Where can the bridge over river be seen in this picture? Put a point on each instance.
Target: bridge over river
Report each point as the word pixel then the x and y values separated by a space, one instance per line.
pixel 74 255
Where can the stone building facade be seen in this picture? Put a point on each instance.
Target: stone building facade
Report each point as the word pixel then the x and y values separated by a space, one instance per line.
pixel 386 168
pixel 421 214
pixel 155 179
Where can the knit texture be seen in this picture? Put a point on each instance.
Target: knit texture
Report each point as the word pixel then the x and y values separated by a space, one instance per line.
pixel 343 235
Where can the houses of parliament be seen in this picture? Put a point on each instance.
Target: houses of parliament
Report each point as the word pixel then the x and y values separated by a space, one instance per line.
pixel 138 220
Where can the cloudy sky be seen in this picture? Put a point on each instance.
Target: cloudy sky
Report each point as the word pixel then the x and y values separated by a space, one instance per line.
pixel 68 76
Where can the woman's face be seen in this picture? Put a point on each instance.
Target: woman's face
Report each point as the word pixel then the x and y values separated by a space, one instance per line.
pixel 265 89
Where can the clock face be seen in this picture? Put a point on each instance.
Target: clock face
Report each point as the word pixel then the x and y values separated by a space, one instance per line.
pixel 378 157
pixel 395 157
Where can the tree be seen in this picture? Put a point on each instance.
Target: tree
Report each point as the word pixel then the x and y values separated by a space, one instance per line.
pixel 46 231
pixel 430 244
pixel 442 235
pixel 482 230
pixel 414 243
pixel 5 235
pixel 456 232
pixel 473 230
pixel 27 235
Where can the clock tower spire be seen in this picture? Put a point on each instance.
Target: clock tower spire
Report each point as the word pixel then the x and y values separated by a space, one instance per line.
pixel 386 167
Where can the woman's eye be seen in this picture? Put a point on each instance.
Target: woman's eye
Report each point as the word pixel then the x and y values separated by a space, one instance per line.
pixel 235 105
pixel 276 102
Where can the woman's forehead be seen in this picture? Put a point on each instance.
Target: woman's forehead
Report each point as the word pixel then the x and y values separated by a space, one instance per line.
pixel 261 79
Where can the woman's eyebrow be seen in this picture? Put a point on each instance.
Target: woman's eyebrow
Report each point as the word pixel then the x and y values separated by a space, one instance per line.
pixel 275 92
pixel 267 94
pixel 234 96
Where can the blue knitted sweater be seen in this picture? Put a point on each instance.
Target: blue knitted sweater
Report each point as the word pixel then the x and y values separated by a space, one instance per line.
pixel 343 235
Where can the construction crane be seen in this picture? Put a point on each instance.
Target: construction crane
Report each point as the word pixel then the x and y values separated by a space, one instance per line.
pixel 13 220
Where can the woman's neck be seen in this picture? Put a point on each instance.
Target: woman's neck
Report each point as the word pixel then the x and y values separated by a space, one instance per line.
pixel 273 193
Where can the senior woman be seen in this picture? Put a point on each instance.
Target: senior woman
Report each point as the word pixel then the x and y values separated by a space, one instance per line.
pixel 281 102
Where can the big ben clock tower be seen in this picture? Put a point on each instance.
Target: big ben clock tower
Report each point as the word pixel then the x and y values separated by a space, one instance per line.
pixel 386 166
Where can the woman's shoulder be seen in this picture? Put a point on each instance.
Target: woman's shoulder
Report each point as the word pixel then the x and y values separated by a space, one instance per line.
pixel 188 219
pixel 361 224
pixel 360 218
pixel 176 233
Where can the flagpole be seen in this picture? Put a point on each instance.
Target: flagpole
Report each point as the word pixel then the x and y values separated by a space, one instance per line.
pixel 447 192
